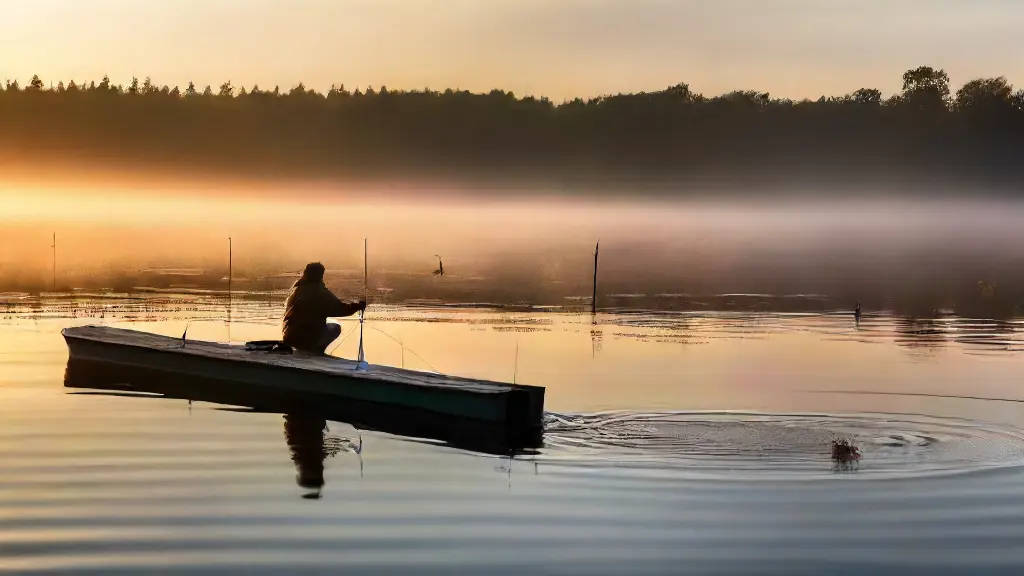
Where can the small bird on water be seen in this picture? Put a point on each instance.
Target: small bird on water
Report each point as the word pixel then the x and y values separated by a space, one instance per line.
pixel 440 269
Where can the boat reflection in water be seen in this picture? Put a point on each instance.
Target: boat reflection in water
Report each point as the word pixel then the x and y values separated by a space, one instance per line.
pixel 306 416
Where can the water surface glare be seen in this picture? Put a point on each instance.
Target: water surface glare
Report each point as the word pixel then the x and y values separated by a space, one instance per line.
pixel 676 442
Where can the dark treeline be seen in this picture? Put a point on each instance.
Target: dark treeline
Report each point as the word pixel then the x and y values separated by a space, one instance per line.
pixel 926 130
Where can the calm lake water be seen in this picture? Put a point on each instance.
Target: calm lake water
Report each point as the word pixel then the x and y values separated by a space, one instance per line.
pixel 676 442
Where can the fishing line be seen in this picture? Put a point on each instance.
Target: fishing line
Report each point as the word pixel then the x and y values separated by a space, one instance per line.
pixel 339 342
pixel 404 347
pixel 399 342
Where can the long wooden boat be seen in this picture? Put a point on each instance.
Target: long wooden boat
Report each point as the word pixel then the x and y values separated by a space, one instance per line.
pixel 380 396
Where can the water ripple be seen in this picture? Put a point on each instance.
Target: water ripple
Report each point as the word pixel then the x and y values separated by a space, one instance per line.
pixel 105 484
pixel 740 446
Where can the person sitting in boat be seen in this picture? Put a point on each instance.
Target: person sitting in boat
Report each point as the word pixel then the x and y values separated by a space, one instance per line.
pixel 310 303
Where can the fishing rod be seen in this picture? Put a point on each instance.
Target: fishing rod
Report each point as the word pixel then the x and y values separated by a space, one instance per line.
pixel 361 363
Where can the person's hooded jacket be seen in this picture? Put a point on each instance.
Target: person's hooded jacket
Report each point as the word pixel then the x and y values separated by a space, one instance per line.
pixel 310 303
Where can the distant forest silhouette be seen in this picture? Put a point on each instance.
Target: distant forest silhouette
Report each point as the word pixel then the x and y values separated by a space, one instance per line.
pixel 671 135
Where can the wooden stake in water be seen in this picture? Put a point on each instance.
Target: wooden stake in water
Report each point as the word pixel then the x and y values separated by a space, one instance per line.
pixel 361 363
pixel 593 298
pixel 515 367
pixel 54 246
pixel 230 276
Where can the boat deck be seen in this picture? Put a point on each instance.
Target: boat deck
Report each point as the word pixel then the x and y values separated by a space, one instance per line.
pixel 297 360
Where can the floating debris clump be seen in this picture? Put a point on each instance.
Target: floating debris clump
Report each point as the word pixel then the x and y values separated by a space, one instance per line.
pixel 844 451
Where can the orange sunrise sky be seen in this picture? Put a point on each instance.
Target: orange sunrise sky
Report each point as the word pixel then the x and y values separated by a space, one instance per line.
pixel 556 48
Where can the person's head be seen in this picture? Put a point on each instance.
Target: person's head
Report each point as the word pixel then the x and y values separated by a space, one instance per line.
pixel 314 272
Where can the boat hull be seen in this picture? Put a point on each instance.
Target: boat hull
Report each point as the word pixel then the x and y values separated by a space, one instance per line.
pixel 204 370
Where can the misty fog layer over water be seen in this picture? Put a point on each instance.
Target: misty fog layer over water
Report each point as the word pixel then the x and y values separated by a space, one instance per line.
pixel 914 256
pixel 675 442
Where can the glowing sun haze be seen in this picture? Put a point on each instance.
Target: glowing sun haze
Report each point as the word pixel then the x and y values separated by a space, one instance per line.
pixel 557 48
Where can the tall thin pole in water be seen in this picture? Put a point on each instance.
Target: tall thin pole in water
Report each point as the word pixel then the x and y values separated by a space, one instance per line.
pixel 593 299
pixel 230 277
pixel 54 246
pixel 515 367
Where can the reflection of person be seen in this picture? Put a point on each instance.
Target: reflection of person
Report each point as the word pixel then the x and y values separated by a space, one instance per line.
pixel 305 437
pixel 310 303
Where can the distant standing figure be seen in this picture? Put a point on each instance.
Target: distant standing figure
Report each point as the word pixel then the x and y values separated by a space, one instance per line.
pixel 310 303
pixel 856 311
pixel 440 267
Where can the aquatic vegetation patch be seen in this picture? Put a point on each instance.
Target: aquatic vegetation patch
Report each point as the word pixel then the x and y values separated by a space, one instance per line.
pixel 844 450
